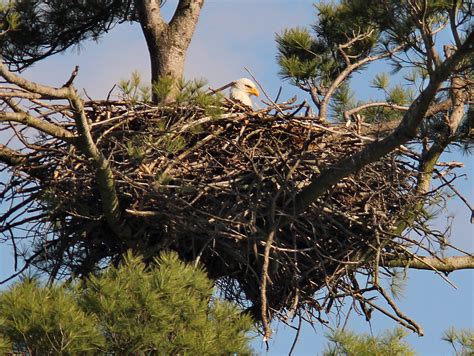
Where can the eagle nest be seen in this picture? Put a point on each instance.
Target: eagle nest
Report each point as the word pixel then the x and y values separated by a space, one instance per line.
pixel 220 190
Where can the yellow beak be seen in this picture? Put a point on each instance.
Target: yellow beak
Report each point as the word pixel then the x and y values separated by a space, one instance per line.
pixel 253 91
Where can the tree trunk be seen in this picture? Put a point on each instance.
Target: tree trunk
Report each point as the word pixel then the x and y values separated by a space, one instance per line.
pixel 168 42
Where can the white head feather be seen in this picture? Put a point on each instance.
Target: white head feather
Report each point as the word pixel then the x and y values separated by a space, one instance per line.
pixel 241 90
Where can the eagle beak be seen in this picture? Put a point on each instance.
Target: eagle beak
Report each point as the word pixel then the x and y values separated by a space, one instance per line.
pixel 254 91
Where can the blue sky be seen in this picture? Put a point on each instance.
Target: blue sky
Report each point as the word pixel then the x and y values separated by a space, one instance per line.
pixel 231 35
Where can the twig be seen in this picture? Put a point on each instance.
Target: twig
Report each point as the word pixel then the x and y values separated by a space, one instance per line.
pixel 275 105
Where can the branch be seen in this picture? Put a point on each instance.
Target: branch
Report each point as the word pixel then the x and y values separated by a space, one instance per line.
pixel 447 265
pixel 152 23
pixel 348 44
pixel 348 113
pixel 41 125
pixel 104 174
pixel 84 141
pixel 452 22
pixel 186 16
pixel 404 132
pixel 10 157
pixel 434 109
pixel 45 91
pixel 345 73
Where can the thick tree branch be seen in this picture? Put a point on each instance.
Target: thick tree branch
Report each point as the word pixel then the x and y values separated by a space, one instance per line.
pixel 404 132
pixel 84 141
pixel 41 125
pixel 186 16
pixel 168 43
pixel 104 174
pixel 447 265
pixel 45 91
pixel 152 23
pixel 452 22
pixel 10 157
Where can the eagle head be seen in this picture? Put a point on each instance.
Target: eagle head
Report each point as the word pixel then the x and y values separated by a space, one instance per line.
pixel 241 90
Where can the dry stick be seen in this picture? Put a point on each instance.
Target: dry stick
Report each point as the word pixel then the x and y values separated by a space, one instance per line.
pixel 398 312
pixel 459 195
pixel 201 143
pixel 416 328
pixel 73 76
pixel 41 125
pixel 213 91
pixel 275 105
pixel 263 287
pixel 265 277
pixel 296 336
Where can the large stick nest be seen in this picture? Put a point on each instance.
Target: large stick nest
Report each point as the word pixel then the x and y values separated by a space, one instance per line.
pixel 214 188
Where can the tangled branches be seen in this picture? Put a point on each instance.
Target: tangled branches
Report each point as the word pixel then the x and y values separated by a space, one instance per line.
pixel 220 190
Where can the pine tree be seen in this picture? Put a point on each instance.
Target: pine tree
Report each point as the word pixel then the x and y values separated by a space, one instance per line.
pixel 45 320
pixel 45 28
pixel 391 342
pixel 167 307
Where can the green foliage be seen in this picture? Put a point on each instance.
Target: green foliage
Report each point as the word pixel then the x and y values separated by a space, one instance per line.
pixel 349 343
pixel 194 92
pixel 343 99
pixel 346 20
pixel 9 18
pixel 43 28
pixel 462 340
pixel 397 95
pixel 5 344
pixel 162 87
pixel 45 320
pixel 162 179
pixel 174 143
pixel 190 92
pixel 296 56
pixel 133 90
pixel 165 307
pixel 381 81
pixel 136 148
pixel 303 57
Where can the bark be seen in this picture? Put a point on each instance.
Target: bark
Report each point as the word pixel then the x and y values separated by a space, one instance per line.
pixel 41 125
pixel 10 157
pixel 168 42
pixel 103 171
pixel 459 96
pixel 448 264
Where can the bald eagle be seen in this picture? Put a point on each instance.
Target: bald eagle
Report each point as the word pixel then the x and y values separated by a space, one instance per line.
pixel 241 90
